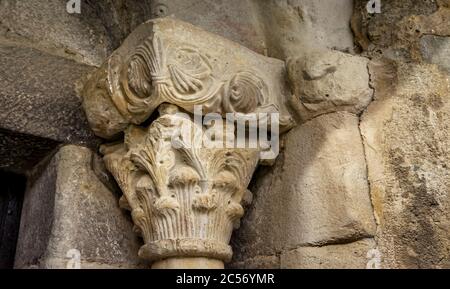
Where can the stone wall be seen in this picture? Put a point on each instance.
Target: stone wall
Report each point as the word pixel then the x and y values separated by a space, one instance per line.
pixel 67 209
pixel 362 180
pixel 406 129
pixel 404 132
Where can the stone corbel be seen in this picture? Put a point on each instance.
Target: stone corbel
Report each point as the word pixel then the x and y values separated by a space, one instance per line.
pixel 184 199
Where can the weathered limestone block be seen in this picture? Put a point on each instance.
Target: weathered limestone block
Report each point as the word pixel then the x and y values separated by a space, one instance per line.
pixel 355 255
pixel 436 50
pixel 396 33
pixel 39 107
pixel 407 142
pixel 37 96
pixel 87 37
pixel 236 20
pixel 327 81
pixel 66 207
pixel 293 27
pixel 167 60
pixel 317 193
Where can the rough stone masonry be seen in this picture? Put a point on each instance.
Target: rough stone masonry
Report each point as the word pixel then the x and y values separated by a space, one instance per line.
pixel 363 175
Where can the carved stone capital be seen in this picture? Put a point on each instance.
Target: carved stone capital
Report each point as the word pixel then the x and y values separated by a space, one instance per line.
pixel 167 60
pixel 184 198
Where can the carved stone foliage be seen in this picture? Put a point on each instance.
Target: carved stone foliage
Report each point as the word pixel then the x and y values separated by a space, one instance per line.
pixel 184 199
pixel 150 79
pixel 171 61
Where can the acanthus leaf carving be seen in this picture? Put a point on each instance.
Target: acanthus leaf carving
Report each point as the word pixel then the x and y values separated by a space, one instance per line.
pixel 180 192
pixel 184 199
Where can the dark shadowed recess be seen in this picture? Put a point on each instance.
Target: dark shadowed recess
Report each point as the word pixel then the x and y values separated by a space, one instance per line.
pixel 12 187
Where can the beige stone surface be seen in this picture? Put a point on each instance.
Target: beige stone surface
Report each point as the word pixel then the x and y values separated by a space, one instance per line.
pixel 314 208
pixel 67 208
pixel 396 33
pixel 355 255
pixel 317 193
pixel 293 27
pixel 37 95
pixel 236 20
pixel 326 81
pixel 170 61
pixel 406 137
pixel 184 197
pixel 436 49
pixel 87 37
pixel 406 129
